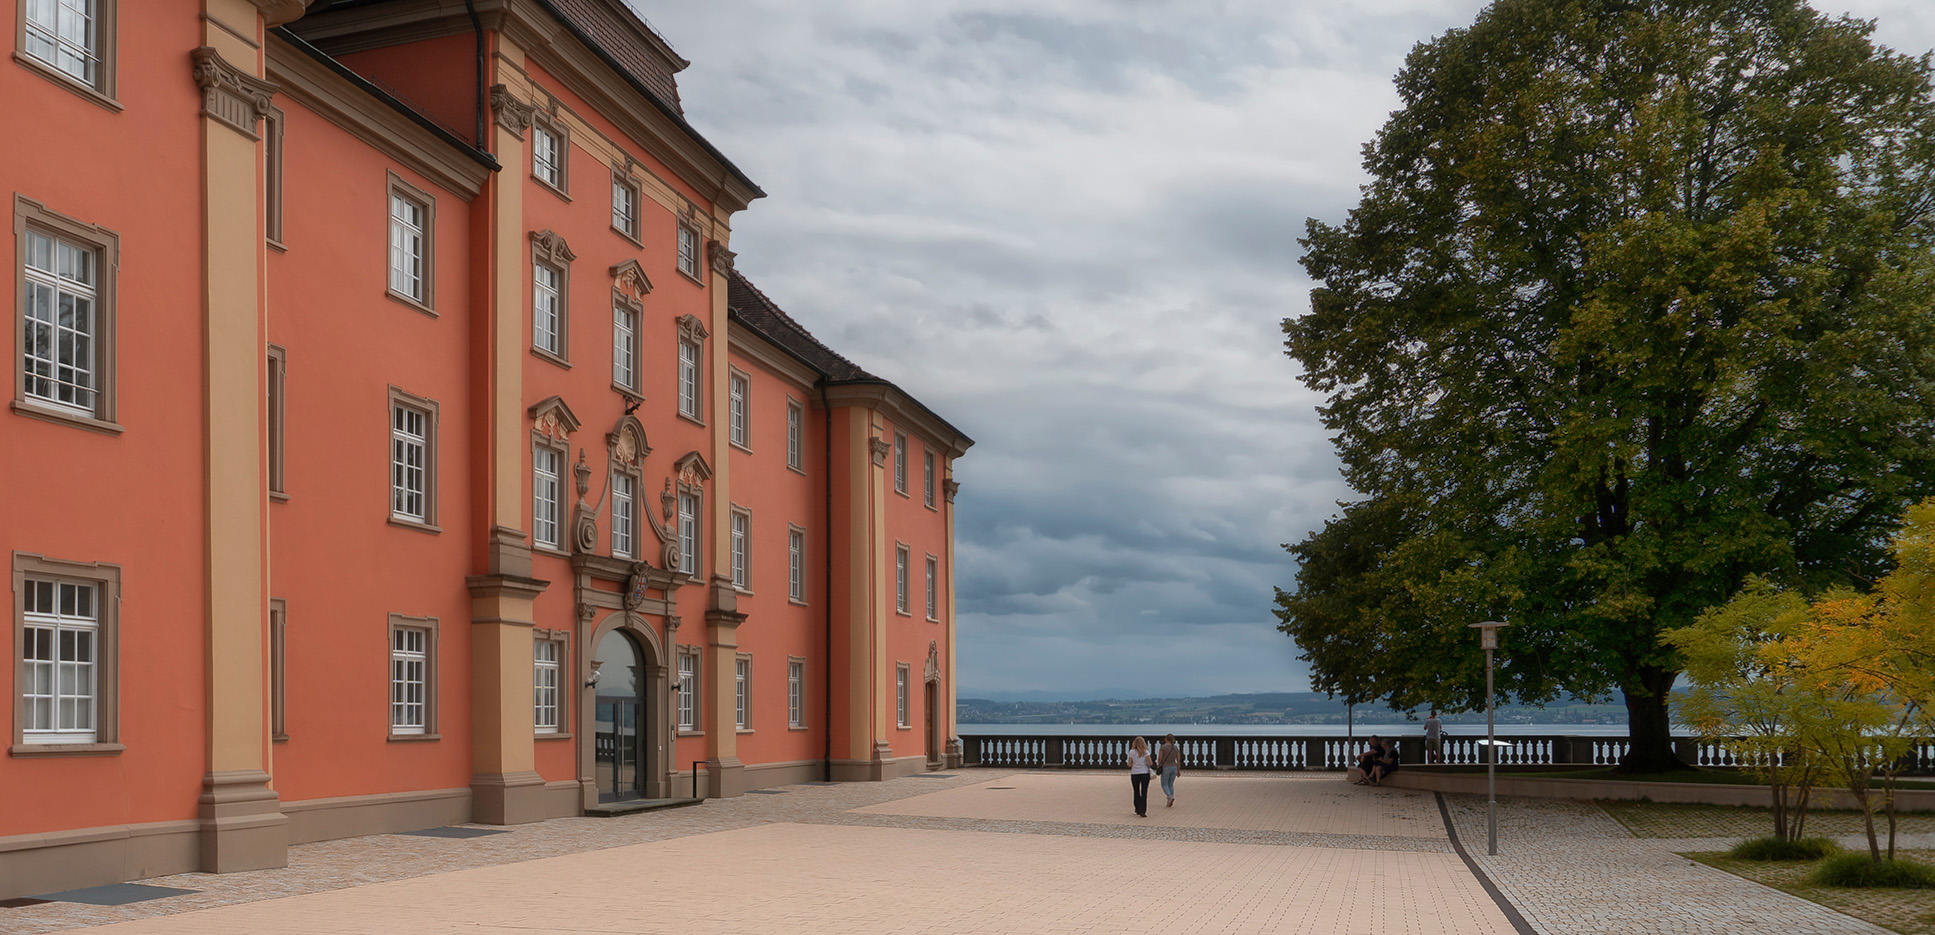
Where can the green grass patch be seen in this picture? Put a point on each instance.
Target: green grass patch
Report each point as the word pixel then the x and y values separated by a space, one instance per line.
pixel 1858 870
pixel 1903 910
pixel 1715 775
pixel 1692 820
pixel 1772 848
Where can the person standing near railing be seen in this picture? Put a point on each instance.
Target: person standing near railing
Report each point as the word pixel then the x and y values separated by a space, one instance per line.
pixel 1434 738
pixel 1139 761
pixel 1169 760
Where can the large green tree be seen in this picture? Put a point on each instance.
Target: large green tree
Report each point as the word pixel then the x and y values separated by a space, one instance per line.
pixel 1636 303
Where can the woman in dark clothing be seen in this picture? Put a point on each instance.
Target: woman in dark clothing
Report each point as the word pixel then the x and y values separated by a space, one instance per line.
pixel 1368 760
pixel 1384 765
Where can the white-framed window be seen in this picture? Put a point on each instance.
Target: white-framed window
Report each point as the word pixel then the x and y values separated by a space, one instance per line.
pixel 409 247
pixel 795 417
pixel 795 682
pixel 688 688
pixel 624 206
pixel 409 680
pixel 624 517
pixel 546 312
pixel 547 472
pixel 927 475
pixel 688 250
pixel 741 669
pixel 688 379
pixel 741 533
pixel 60 662
pixel 900 578
pixel 933 588
pixel 624 346
pixel 547 154
pixel 409 463
pixel 546 655
pixel 61 334
pixel 900 462
pixel 737 388
pixel 688 533
pixel 72 37
pixel 900 694
pixel 796 564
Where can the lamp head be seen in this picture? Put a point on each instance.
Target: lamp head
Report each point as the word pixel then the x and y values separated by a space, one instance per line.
pixel 1488 632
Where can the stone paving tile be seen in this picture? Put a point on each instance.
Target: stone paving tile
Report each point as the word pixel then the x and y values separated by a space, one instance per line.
pixel 1308 803
pixel 1570 869
pixel 814 879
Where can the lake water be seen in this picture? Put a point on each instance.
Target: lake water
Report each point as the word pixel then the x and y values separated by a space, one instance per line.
pixel 1362 729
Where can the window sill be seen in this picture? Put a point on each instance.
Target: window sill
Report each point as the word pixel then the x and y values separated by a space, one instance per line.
pixel 695 420
pixel 931 508
pixel 629 236
pixel 690 277
pixel 903 727
pixel 418 525
pixel 743 730
pixel 932 619
pixel 557 190
pixel 742 590
pixel 542 354
pixel 420 306
pixel 280 738
pixel 278 496
pixel 554 735
pixel 413 738
pixel 741 446
pixel 901 493
pixel 796 469
pixel 551 550
pixel 796 602
pixel 66 749
pixel 277 245
pixel 801 728
pixel 902 613
pixel 59 417
pixel 67 81
pixel 628 392
pixel 683 732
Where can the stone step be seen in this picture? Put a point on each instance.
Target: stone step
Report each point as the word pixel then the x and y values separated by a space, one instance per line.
pixel 634 806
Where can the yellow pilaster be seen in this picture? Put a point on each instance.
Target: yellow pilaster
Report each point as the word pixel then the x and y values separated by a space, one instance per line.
pixel 952 692
pixel 242 827
pixel 504 783
pixel 881 666
pixel 725 771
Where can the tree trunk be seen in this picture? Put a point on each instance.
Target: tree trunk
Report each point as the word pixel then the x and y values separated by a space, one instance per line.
pixel 1648 724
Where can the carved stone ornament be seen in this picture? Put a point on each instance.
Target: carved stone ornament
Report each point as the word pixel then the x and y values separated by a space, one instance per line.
pixel 881 447
pixel 550 246
pixel 635 586
pixel 667 502
pixel 630 280
pixel 672 622
pixel 551 418
pixel 692 470
pixel 692 329
pixel 720 258
pixel 949 488
pixel 231 96
pixel 933 672
pixel 627 442
pixel 584 518
pixel 512 114
pixel 586 612
pixel 277 12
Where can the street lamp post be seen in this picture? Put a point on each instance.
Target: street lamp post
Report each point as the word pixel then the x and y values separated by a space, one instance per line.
pixel 1488 634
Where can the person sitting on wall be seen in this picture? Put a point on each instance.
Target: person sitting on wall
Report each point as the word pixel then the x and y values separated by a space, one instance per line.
pixel 1385 764
pixel 1368 760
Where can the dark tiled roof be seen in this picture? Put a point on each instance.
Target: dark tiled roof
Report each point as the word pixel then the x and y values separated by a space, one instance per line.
pixel 636 46
pixel 766 317
pixel 762 315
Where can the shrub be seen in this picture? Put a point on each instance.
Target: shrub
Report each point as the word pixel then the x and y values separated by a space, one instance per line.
pixel 1858 870
pixel 1771 848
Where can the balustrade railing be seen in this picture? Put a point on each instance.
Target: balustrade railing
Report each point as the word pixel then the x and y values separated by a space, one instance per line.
pixel 1091 751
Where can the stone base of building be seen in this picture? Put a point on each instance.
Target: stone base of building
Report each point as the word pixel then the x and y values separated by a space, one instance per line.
pixel 877 770
pixel 65 860
pixel 507 798
pixel 242 823
pixel 384 813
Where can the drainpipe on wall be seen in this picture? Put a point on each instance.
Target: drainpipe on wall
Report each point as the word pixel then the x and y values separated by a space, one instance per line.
pixel 477 26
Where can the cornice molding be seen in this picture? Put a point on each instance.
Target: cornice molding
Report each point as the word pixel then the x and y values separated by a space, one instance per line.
pixel 331 96
pixel 230 96
pixel 277 12
pixel 755 346
pixel 896 405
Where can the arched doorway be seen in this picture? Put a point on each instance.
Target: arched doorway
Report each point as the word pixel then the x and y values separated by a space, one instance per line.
pixel 619 715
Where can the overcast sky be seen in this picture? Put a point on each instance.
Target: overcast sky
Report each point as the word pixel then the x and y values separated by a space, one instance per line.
pixel 1069 226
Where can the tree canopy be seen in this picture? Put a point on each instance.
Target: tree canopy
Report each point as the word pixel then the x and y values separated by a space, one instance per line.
pixel 1637 303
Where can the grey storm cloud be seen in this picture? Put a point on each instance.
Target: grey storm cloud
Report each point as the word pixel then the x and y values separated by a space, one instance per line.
pixel 1070 226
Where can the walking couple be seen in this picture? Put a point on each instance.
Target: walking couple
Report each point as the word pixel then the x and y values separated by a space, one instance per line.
pixel 1168 759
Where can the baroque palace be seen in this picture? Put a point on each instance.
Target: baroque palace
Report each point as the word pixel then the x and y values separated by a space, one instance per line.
pixel 393 443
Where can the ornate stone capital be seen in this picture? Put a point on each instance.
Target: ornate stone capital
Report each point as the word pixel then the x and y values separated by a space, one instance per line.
pixel 881 447
pixel 511 114
pixel 949 488
pixel 720 258
pixel 231 96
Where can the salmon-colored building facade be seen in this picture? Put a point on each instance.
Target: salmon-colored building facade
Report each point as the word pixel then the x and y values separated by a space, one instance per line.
pixel 393 443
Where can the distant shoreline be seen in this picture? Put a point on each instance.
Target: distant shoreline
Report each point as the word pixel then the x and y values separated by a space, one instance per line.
pixel 1361 729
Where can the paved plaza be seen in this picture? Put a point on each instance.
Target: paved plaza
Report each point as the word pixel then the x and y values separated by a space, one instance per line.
pixel 993 851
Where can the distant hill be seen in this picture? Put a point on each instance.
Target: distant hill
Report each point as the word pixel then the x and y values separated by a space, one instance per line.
pixel 1257 708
